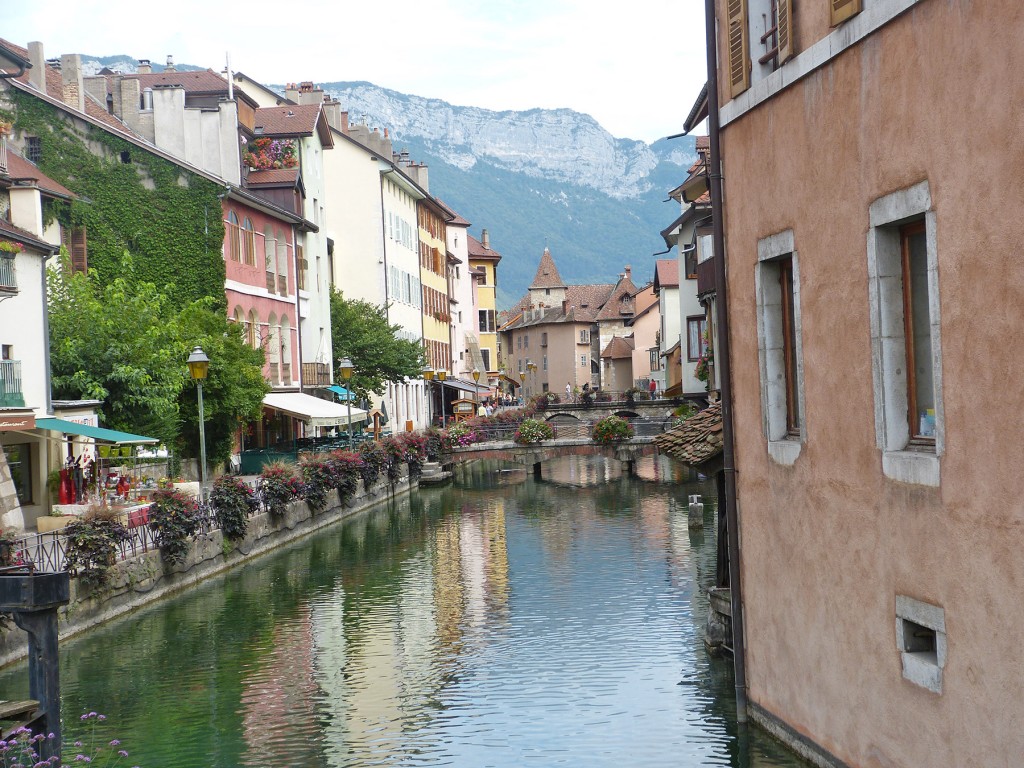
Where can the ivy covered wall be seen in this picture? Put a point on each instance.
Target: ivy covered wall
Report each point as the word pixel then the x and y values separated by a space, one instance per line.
pixel 167 218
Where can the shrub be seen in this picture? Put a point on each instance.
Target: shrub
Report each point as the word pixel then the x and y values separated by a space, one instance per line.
pixel 174 520
pixel 434 443
pixel 233 500
pixel 90 544
pixel 317 481
pixel 375 462
pixel 459 436
pixel 681 414
pixel 533 431
pixel 613 429
pixel 347 467
pixel 280 486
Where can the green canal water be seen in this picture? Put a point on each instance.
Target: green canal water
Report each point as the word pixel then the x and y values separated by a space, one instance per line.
pixel 498 621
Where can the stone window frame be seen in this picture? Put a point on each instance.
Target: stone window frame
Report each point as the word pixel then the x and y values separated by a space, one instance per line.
pixel 783 447
pixel 921 667
pixel 901 460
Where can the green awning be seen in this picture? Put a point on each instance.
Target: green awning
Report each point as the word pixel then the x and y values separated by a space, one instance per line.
pixel 341 392
pixel 96 433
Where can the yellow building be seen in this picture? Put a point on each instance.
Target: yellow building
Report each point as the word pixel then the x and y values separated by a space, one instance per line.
pixel 437 314
pixel 483 264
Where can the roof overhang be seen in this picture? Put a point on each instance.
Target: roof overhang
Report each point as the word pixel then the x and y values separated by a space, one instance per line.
pixel 314 411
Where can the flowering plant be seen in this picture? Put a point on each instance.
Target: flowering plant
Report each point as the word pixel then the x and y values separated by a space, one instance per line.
pixel 233 500
pixel 6 126
pixel 707 357
pixel 533 431
pixel 265 153
pixel 613 429
pixel 346 469
pixel 173 519
pixel 10 246
pixel 459 436
pixel 280 486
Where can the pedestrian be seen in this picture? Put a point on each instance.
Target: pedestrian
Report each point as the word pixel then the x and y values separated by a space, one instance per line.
pixel 653 388
pixel 568 392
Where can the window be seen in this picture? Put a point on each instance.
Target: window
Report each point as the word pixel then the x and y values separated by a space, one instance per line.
pixel 34 150
pixel 545 363
pixel 487 323
pixel 906 352
pixel 234 238
pixel 526 342
pixel 690 262
pixel 780 354
pixel 696 327
pixel 249 242
pixel 655 358
pixel 486 354
pixel 840 10
pixel 544 339
pixel 585 336
pixel 768 24
pixel 75 240
pixel 583 361
pixel 921 641
pixel 19 461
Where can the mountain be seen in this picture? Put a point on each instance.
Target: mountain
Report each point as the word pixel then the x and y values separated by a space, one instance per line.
pixel 536 178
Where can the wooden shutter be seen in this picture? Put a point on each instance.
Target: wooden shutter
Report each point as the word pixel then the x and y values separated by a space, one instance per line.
pixel 739 49
pixel 840 10
pixel 74 240
pixel 785 25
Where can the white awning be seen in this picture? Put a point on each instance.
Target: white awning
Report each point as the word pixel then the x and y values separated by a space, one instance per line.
pixel 312 410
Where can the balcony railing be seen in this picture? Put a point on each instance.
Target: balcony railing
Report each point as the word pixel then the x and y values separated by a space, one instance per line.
pixel 3 153
pixel 10 384
pixel 316 374
pixel 8 276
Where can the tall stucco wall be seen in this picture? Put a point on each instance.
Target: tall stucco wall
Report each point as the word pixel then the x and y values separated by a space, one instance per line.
pixel 829 542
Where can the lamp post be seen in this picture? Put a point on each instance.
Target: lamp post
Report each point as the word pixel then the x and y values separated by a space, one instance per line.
pixel 428 376
pixel 346 368
pixel 198 368
pixel 442 374
pixel 476 393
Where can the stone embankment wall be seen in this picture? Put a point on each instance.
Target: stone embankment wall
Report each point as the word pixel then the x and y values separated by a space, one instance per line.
pixel 143 579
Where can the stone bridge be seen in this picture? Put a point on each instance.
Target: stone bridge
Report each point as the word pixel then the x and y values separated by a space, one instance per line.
pixel 659 411
pixel 536 454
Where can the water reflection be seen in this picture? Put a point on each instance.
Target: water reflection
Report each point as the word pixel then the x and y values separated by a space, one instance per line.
pixel 503 621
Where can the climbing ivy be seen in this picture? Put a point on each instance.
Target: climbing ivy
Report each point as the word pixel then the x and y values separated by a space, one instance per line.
pixel 130 200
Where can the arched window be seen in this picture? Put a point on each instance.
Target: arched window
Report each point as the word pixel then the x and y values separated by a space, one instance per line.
pixel 270 253
pixel 282 264
pixel 286 350
pixel 252 330
pixel 273 349
pixel 249 242
pixel 234 238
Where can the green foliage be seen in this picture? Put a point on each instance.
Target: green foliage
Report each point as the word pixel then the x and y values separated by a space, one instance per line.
pixel 169 218
pixel 375 462
pixel 90 545
pixel 360 331
pixel 533 431
pixel 681 414
pixel 346 468
pixel 317 481
pixel 125 343
pixel 233 502
pixel 613 429
pixel 174 520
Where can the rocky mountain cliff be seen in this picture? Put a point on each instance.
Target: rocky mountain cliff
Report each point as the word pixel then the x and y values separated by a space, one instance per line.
pixel 536 178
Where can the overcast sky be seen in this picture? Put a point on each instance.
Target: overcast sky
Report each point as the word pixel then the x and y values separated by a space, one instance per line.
pixel 635 67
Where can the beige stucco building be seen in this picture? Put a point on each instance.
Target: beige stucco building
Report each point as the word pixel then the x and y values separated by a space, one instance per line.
pixel 872 190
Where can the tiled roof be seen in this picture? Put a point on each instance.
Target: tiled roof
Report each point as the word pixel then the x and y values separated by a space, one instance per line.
pixel 272 176
pixel 287 120
pixel 9 231
pixel 547 273
pixel 666 273
pixel 620 303
pixel 477 251
pixel 55 90
pixel 618 348
pixel 457 221
pixel 698 439
pixel 703 143
pixel 19 168
pixel 193 81
pixel 587 299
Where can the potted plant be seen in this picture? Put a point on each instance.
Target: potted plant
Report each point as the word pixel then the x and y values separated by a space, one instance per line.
pixel 533 431
pixel 91 543
pixel 613 429
pixel 174 520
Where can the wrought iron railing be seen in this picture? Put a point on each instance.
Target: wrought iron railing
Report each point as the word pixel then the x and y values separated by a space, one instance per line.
pixel 8 275
pixel 11 395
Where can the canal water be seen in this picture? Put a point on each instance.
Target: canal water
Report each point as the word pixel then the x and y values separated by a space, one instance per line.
pixel 498 621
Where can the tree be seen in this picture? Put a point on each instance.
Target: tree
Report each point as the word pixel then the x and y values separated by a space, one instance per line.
pixel 125 343
pixel 360 331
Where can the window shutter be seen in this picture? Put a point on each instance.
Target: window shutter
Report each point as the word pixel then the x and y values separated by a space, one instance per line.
pixel 739 52
pixel 840 10
pixel 74 239
pixel 786 30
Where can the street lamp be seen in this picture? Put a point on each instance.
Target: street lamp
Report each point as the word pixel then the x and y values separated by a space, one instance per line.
pixel 198 368
pixel 428 376
pixel 442 374
pixel 476 393
pixel 347 369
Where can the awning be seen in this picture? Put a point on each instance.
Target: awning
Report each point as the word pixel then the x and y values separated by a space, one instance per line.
pixel 466 386
pixel 312 410
pixel 510 380
pixel 342 392
pixel 96 433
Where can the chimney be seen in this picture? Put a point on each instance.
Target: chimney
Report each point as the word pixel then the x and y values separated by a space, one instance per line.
pixel 73 93
pixel 485 240
pixel 291 92
pixel 37 75
pixel 145 67
pixel 565 306
pixel 170 64
pixel 403 157
pixel 629 272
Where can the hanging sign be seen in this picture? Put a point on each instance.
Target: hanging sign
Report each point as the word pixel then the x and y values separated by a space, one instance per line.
pixel 21 421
